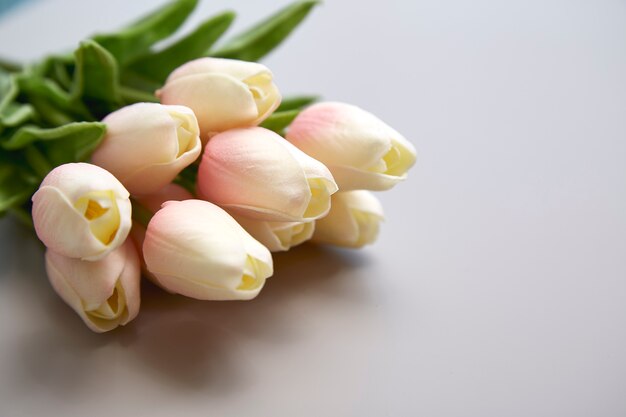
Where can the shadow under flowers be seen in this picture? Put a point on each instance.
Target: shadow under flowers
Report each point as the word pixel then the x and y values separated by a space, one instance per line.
pixel 194 344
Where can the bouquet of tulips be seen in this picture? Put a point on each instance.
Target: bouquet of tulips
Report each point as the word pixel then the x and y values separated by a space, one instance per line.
pixel 182 163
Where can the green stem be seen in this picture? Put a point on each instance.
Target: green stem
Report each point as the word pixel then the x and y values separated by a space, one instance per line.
pixel 132 95
pixel 37 161
pixel 50 113
pixel 141 214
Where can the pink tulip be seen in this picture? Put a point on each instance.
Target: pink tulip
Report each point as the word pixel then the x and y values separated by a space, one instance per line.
pixel 361 151
pixel 104 293
pixel 148 144
pixel 256 173
pixel 196 249
pixel 223 93
pixel 81 211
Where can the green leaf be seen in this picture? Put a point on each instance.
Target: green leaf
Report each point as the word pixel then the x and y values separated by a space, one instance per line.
pixel 69 135
pixel 278 121
pixel 8 89
pixel 294 103
pixel 259 40
pixel 15 114
pixel 51 102
pixel 136 39
pixel 158 65
pixel 96 79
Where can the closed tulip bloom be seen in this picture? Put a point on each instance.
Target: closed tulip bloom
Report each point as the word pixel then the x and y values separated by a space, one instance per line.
pixel 104 293
pixel 81 211
pixel 148 144
pixel 361 151
pixel 353 220
pixel 223 93
pixel 277 236
pixel 196 249
pixel 256 173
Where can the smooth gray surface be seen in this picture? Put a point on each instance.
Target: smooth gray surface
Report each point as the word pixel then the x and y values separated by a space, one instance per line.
pixel 497 287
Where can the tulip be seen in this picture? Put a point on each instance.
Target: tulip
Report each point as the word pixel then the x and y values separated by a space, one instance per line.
pixel 81 211
pixel 256 173
pixel 223 93
pixel 196 249
pixel 361 151
pixel 353 220
pixel 148 144
pixel 277 236
pixel 104 293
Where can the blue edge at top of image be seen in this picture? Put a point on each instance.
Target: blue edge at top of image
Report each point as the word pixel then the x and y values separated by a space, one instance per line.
pixel 7 5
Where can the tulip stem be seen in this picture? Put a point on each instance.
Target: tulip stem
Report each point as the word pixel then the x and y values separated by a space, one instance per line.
pixel 132 95
pixel 141 214
pixel 37 161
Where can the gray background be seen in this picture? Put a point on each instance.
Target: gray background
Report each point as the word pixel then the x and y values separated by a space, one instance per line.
pixel 497 287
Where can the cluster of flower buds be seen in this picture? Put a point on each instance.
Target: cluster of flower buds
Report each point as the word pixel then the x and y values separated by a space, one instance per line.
pixel 255 191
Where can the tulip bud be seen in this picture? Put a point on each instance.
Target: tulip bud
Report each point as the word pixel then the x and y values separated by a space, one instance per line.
pixel 81 211
pixel 256 173
pixel 353 220
pixel 104 293
pixel 361 151
pixel 223 93
pixel 277 236
pixel 148 144
pixel 196 249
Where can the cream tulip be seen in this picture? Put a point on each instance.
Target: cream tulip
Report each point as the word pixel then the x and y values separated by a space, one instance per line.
pixel 361 151
pixel 104 293
pixel 223 93
pixel 277 236
pixel 81 211
pixel 148 144
pixel 353 220
pixel 256 173
pixel 196 249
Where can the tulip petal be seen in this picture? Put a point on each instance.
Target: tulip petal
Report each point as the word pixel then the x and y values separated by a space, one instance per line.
pixel 352 222
pixel 220 101
pixel 105 293
pixel 60 226
pixel 81 211
pixel 159 174
pixel 196 249
pixel 252 173
pixel 361 151
pixel 148 144
pixel 277 236
pixel 356 179
pixel 240 70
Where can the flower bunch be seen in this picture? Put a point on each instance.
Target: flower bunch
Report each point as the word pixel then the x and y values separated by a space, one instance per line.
pixel 197 171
